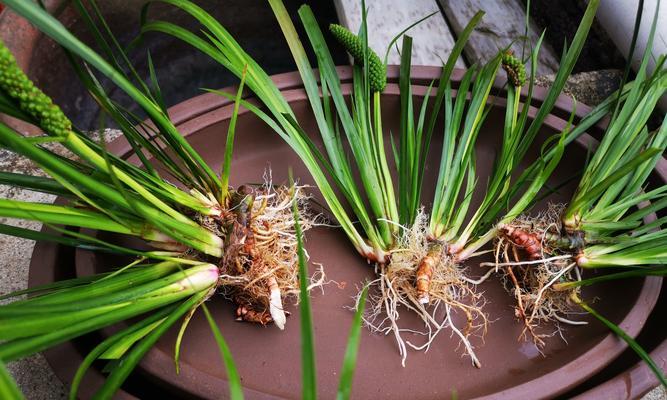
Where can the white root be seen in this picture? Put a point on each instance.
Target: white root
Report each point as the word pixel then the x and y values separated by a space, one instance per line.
pixel 481 279
pixel 540 293
pixel 397 290
pixel 464 340
pixel 569 321
pixel 392 315
pixel 260 272
pixel 532 282
pixel 276 304
pixel 532 262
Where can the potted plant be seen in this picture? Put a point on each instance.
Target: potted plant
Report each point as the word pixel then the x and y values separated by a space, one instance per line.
pixel 420 258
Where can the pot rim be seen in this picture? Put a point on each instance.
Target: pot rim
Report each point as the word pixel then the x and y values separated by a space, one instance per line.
pixel 420 75
pixel 635 382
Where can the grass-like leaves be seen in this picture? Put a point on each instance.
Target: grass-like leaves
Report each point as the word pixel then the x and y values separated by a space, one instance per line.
pixel 8 388
pixel 372 196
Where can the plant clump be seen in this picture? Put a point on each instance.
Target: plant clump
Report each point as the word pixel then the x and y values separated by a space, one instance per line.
pixel 420 277
pixel 608 222
pixel 253 231
pixel 531 268
pixel 206 238
pixel 421 271
pixel 258 269
pixel 245 242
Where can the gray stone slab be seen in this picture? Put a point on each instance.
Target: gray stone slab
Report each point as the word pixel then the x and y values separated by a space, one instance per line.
pixel 659 393
pixel 503 24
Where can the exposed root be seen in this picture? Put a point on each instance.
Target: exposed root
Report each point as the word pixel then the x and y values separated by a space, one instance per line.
pixel 479 280
pixel 407 279
pixel 550 261
pixel 246 313
pixel 425 271
pixel 260 267
pixel 528 234
pixel 529 242
pixel 569 321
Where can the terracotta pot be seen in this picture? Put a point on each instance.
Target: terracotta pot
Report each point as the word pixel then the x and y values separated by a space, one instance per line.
pixel 37 56
pixel 268 359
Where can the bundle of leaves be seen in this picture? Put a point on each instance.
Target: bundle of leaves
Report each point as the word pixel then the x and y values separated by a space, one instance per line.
pixel 419 258
pixel 609 223
pixel 420 255
pixel 207 236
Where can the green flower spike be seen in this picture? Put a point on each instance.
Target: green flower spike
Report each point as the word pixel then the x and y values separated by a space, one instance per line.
pixel 377 71
pixel 33 101
pixel 516 71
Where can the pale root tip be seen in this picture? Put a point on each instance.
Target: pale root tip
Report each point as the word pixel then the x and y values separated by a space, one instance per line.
pixel 276 309
pixel 424 299
pixel 280 325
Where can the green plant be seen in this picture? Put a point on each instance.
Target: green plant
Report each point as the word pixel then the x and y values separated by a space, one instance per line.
pixel 420 256
pixel 199 232
pixel 8 388
pixel 389 221
pixel 605 223
pixel 130 344
pixel 207 220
